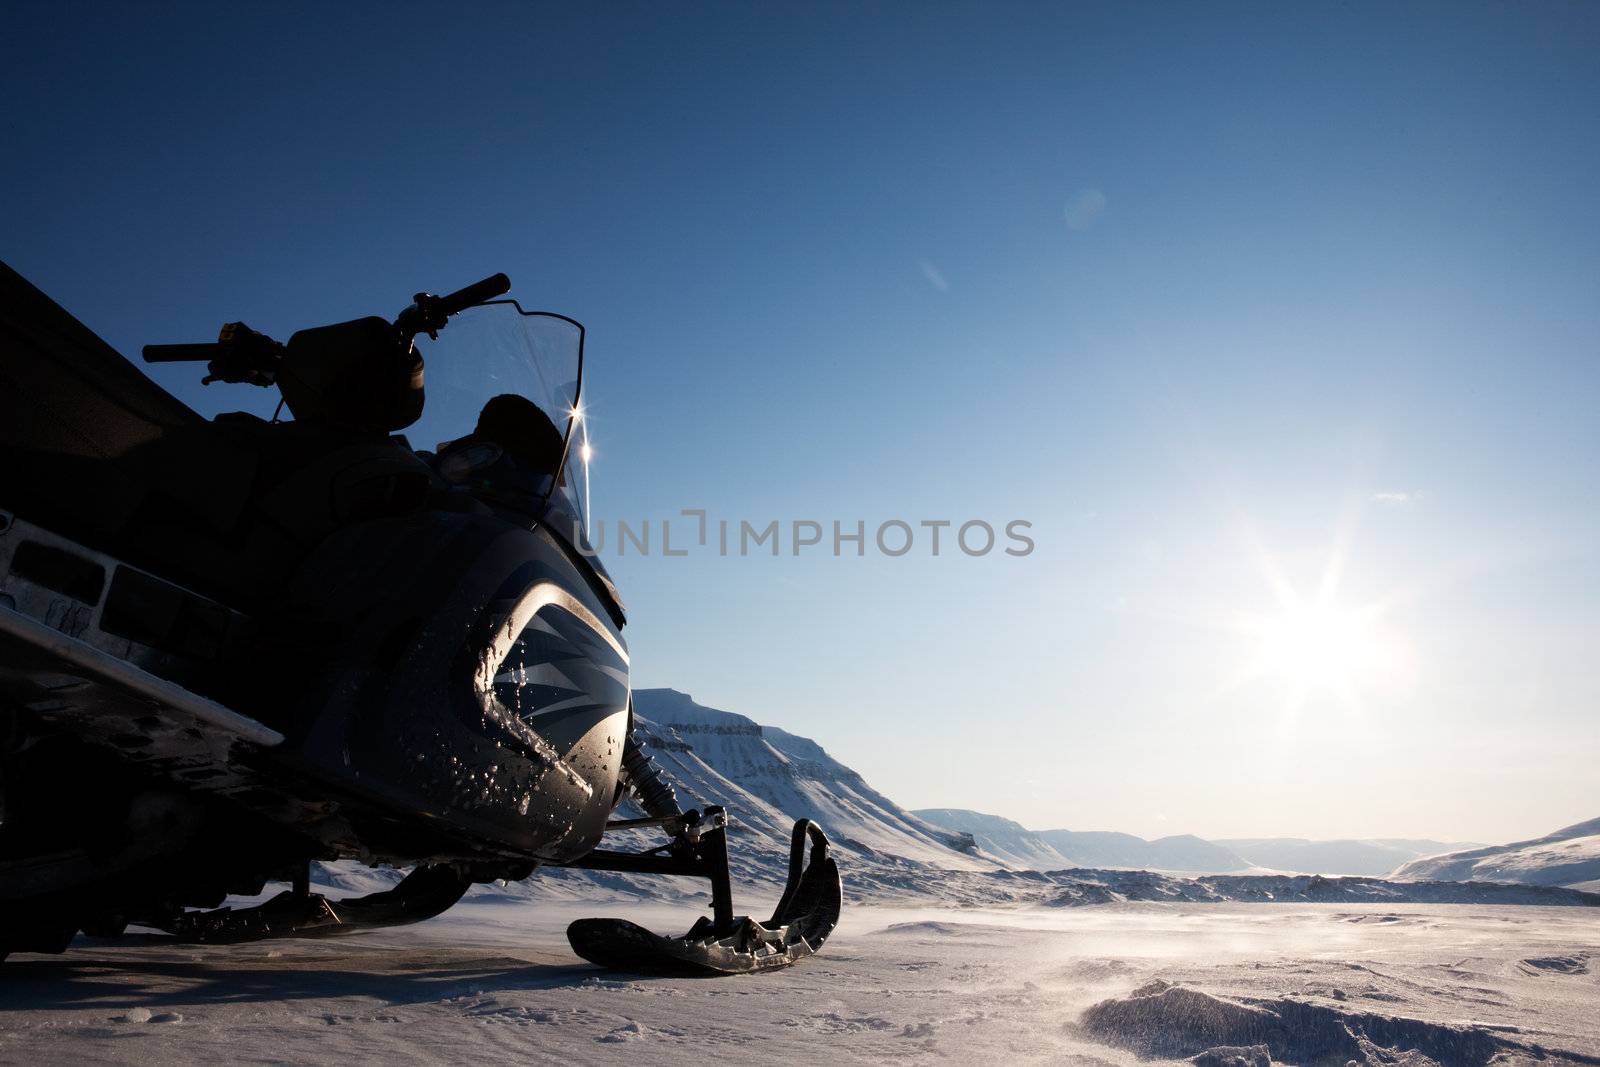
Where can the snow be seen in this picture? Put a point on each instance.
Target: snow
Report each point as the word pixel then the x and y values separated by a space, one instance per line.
pixel 1117 984
pixel 1569 856
pixel 945 952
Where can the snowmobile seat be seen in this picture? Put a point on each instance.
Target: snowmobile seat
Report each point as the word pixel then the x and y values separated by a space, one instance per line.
pixel 83 432
pixel 94 450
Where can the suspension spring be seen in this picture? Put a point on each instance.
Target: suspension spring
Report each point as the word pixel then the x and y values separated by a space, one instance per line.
pixel 655 793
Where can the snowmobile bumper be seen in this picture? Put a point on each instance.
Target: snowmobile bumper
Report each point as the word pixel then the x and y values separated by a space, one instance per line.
pixel 722 944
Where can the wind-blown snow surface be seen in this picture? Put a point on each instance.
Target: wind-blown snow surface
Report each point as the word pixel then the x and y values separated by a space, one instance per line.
pixel 943 955
pixel 1121 984
pixel 1570 856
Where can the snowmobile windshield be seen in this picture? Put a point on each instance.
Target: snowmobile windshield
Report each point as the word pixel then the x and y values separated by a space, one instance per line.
pixel 496 349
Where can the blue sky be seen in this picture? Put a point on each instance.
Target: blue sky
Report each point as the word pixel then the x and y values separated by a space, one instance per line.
pixel 1208 296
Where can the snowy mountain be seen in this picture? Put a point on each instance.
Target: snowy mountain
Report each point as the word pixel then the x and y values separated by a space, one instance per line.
pixel 1180 852
pixel 1355 857
pixel 1570 856
pixel 792 777
pixel 1009 842
pixel 1049 850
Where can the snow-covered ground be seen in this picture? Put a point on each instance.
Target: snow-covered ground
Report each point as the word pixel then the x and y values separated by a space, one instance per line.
pixel 948 952
pixel 1113 984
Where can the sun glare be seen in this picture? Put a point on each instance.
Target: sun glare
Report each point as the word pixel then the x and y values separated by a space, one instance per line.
pixel 1319 646
pixel 1318 643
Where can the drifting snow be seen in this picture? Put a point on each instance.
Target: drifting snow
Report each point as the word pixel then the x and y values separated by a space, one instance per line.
pixel 1162 1019
pixel 1119 984
pixel 1095 887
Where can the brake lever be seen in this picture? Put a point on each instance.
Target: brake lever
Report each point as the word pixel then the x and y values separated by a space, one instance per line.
pixel 245 357
pixel 423 316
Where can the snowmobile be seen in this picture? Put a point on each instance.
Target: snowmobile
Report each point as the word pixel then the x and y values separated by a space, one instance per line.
pixel 233 647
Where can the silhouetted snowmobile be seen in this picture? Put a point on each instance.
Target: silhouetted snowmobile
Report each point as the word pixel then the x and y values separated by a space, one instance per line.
pixel 232 647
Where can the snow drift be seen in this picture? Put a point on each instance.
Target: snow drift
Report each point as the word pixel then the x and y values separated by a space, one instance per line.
pixel 1163 1019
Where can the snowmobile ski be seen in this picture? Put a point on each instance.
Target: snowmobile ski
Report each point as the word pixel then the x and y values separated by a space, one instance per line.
pixel 425 892
pixel 805 916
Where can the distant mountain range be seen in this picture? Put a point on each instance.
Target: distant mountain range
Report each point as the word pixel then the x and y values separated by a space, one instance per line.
pixel 1047 850
pixel 1570 856
pixel 1369 857
pixel 1054 850
pixel 768 777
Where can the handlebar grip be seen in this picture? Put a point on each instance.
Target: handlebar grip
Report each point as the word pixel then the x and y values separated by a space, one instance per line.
pixel 476 293
pixel 194 353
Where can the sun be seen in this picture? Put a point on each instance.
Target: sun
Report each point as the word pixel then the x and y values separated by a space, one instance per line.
pixel 1320 645
pixel 1316 642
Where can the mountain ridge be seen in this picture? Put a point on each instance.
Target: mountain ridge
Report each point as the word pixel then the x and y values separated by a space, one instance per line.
pixel 1568 856
pixel 769 777
pixel 1013 843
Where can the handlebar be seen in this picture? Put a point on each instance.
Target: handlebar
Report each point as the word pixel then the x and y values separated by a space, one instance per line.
pixel 428 313
pixel 476 293
pixel 239 354
pixel 242 355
